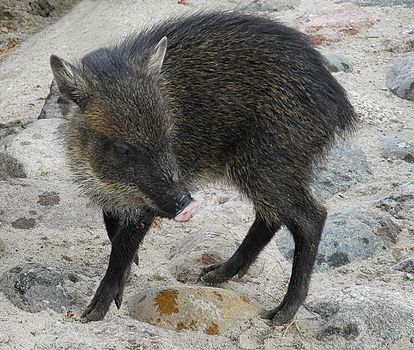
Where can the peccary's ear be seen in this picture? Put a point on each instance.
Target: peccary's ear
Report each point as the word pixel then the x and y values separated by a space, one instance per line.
pixel 69 82
pixel 157 56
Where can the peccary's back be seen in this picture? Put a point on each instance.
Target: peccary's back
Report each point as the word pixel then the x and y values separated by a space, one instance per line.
pixel 242 83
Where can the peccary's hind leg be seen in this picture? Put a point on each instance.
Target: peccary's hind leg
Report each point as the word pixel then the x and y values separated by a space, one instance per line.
pixel 259 235
pixel 305 221
pixel 112 226
pixel 125 244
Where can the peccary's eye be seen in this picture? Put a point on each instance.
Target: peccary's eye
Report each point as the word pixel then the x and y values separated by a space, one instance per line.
pixel 122 150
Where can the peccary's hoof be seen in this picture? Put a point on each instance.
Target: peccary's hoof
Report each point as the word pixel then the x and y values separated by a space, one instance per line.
pixel 279 316
pixel 96 310
pixel 214 274
pixel 99 305
pixel 92 315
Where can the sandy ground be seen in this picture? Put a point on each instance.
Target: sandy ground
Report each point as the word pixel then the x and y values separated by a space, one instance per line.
pixel 20 19
pixel 25 76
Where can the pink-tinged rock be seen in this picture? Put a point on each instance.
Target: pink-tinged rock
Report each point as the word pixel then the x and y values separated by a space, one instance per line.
pixel 332 23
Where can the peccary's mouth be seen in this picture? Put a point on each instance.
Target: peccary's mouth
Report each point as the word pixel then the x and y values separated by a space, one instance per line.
pixel 185 209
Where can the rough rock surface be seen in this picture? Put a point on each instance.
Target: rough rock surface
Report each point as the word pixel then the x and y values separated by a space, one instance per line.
pixel 211 310
pixel 51 107
pixel 10 167
pixel 33 287
pixel 363 317
pixel 336 63
pixel 394 148
pixel 350 234
pixel 400 204
pixel 345 166
pixel 39 147
pixel 406 265
pixel 400 78
pixel 330 24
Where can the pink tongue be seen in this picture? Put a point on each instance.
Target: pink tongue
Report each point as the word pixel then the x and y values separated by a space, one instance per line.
pixel 187 213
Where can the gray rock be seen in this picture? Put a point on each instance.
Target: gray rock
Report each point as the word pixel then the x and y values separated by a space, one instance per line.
pixel 39 147
pixel 394 148
pixel 401 203
pixel 345 166
pixel 270 5
pixel 34 287
pixel 400 79
pixel 409 3
pixel 406 265
pixel 336 63
pixel 30 203
pixel 51 107
pixel 350 234
pixel 10 167
pixel 211 310
pixel 362 317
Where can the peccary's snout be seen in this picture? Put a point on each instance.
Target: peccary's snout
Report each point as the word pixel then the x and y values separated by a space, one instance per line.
pixel 185 207
pixel 182 201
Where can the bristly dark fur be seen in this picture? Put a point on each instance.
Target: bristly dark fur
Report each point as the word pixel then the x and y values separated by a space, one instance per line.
pixel 227 96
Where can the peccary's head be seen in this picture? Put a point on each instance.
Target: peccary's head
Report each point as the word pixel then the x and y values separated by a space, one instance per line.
pixel 119 133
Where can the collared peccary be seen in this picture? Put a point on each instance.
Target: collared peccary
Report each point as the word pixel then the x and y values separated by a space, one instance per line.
pixel 231 97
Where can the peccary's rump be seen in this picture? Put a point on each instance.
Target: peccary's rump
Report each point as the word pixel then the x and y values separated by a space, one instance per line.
pixel 217 96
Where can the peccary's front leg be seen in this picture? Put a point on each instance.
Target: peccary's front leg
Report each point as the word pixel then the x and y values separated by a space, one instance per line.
pixel 113 226
pixel 125 238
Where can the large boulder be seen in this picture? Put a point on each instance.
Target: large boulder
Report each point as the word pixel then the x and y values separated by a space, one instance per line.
pixel 211 310
pixel 332 23
pixel 345 166
pixel 39 148
pixel 361 317
pixel 350 234
pixel 34 287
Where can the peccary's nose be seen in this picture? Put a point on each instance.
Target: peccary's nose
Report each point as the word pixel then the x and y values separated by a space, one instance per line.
pixel 182 201
pixel 185 207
